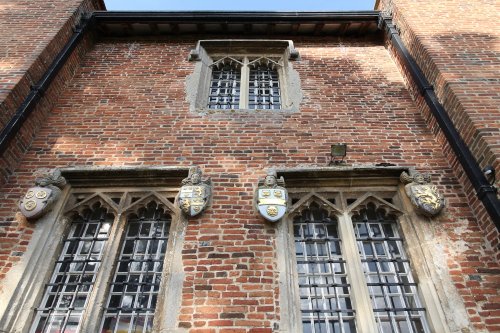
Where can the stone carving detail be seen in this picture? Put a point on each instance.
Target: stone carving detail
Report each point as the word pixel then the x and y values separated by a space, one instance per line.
pixel 271 197
pixel 38 200
pixel 424 196
pixel 195 192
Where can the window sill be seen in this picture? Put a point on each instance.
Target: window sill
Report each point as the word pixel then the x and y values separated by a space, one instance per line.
pixel 206 111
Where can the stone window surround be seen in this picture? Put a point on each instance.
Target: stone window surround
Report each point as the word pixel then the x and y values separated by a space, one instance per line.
pixel 198 83
pixel 23 286
pixel 311 185
pixel 23 289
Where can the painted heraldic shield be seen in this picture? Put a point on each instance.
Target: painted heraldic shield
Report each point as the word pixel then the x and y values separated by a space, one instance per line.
pixel 34 203
pixel 425 198
pixel 194 198
pixel 271 203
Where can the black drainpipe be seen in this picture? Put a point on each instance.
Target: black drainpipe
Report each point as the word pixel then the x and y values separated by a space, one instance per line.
pixel 485 191
pixel 26 108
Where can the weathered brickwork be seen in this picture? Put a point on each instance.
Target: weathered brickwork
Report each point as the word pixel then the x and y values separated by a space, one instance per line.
pixel 454 44
pixel 32 33
pixel 126 106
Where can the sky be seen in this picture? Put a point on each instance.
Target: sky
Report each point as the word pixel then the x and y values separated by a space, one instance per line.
pixel 268 5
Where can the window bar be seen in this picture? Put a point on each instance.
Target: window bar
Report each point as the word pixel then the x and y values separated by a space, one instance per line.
pixel 325 292
pixel 66 295
pixel 392 288
pixel 134 290
pixel 225 84
pixel 264 86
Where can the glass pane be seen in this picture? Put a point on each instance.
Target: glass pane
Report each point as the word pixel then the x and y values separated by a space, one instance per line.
pixel 387 270
pixel 224 90
pixel 264 85
pixel 66 294
pixel 324 289
pixel 136 282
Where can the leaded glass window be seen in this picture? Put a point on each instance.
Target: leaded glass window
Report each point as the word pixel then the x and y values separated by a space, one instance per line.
pixel 245 82
pixel 225 84
pixel 325 300
pixel 67 293
pixel 108 274
pixel 136 282
pixel 351 270
pixel 392 288
pixel 264 85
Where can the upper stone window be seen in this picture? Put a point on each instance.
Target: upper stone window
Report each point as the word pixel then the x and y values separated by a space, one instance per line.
pixel 243 74
pixel 245 83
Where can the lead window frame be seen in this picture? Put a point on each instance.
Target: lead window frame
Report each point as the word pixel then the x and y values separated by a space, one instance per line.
pixel 324 194
pixel 209 52
pixel 67 265
pixel 242 64
pixel 47 243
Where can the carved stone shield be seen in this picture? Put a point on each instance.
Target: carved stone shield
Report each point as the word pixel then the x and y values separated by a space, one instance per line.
pixel 425 198
pixel 271 202
pixel 194 198
pixel 34 203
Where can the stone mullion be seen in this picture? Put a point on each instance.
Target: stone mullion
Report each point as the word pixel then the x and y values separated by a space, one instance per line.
pixel 244 84
pixel 92 317
pixel 360 296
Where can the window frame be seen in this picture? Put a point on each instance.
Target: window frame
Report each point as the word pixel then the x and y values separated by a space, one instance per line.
pixel 244 96
pixel 367 190
pixel 207 52
pixel 64 243
pixel 46 246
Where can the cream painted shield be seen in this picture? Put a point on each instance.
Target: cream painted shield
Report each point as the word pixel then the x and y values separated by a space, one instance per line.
pixel 193 198
pixel 271 203
pixel 33 204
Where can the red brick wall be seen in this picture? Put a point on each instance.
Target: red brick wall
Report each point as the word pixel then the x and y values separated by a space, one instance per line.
pixel 126 106
pixel 31 34
pixel 454 43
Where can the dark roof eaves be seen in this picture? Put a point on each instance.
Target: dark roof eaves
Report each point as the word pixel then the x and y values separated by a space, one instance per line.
pixel 234 16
